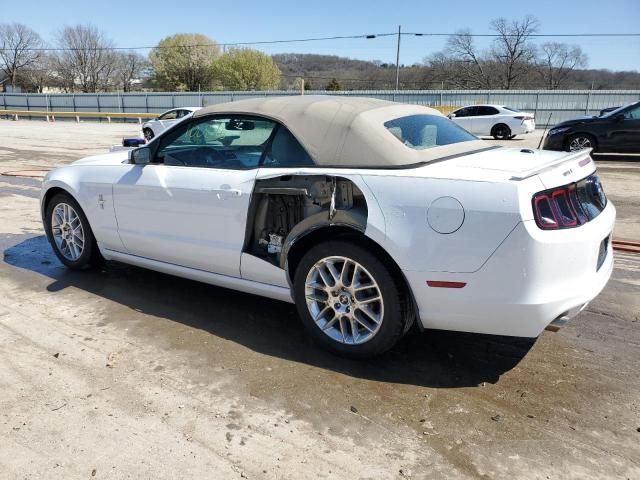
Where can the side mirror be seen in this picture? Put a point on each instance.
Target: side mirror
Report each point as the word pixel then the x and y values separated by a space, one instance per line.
pixel 451 115
pixel 619 116
pixel 140 156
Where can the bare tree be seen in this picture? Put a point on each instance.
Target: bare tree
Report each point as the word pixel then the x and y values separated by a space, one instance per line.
pixel 88 60
pixel 469 62
pixel 19 49
pixel 556 62
pixel 131 67
pixel 512 50
pixel 37 76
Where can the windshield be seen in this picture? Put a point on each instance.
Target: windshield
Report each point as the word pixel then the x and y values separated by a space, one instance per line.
pixel 613 112
pixel 426 131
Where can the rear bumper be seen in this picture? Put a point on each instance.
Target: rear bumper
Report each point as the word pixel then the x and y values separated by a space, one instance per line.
pixel 527 126
pixel 532 279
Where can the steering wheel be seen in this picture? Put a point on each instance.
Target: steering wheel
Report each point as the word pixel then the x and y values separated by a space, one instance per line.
pixel 211 156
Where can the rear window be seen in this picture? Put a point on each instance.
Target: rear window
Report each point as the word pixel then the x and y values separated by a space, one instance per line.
pixel 511 109
pixel 425 131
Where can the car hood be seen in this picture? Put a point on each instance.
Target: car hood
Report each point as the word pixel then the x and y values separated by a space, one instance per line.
pixel 576 121
pixel 112 158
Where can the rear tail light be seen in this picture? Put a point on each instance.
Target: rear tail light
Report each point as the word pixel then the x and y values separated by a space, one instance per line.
pixel 570 205
pixel 525 117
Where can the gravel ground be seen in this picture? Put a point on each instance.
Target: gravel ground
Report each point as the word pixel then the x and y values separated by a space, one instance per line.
pixel 127 373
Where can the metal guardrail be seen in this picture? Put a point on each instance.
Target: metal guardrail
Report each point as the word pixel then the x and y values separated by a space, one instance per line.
pixel 51 116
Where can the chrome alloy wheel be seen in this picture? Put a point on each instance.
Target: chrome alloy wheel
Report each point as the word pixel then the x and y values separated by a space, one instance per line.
pixel 344 300
pixel 67 231
pixel 579 143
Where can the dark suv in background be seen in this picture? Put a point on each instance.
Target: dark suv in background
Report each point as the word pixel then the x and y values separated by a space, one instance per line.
pixel 615 132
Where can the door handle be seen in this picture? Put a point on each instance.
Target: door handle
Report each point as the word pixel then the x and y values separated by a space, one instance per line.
pixel 228 193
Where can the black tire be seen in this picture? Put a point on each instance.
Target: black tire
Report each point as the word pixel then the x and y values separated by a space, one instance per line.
pixel 501 132
pixel 148 134
pixel 90 255
pixel 580 138
pixel 393 318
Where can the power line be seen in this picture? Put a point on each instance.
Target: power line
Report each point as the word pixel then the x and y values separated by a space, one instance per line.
pixel 532 35
pixel 216 44
pixel 336 37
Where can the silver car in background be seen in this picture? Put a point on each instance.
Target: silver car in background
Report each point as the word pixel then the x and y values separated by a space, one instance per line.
pixel 155 127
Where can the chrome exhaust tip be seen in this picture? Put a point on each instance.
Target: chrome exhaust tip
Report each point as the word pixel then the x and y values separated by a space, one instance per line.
pixel 562 319
pixel 559 322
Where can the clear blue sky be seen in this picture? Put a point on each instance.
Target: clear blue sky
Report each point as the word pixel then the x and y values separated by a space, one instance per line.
pixel 141 23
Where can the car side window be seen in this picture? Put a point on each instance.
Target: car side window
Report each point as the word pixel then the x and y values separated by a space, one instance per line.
pixel 286 151
pixel 172 115
pixel 464 112
pixel 634 113
pixel 486 111
pixel 229 142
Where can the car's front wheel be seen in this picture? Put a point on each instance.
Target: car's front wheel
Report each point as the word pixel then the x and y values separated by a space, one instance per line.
pixel 148 134
pixel 348 299
pixel 580 141
pixel 69 233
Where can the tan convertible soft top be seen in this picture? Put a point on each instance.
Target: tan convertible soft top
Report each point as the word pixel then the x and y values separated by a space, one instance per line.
pixel 344 131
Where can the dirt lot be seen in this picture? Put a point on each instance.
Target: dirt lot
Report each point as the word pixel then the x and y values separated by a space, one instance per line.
pixel 126 373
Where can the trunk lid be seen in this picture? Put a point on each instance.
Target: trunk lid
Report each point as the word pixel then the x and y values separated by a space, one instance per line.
pixel 515 164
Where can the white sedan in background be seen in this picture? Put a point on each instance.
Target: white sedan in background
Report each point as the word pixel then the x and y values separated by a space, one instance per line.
pixel 368 215
pixel 155 127
pixel 497 121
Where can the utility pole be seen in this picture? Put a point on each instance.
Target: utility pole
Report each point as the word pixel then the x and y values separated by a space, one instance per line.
pixel 398 60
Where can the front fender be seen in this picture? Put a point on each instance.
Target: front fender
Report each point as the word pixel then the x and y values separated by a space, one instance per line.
pixel 61 178
pixel 92 187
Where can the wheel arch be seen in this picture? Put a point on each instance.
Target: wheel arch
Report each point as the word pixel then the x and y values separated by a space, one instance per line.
pixel 53 190
pixel 567 138
pixel 353 233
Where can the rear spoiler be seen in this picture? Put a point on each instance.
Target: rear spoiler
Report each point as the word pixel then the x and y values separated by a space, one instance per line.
pixel 584 157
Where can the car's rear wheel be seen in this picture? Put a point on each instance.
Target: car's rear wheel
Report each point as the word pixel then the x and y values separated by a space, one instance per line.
pixel 69 233
pixel 579 141
pixel 501 132
pixel 148 134
pixel 348 299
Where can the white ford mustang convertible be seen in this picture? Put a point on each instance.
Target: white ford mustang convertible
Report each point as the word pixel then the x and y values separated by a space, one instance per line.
pixel 368 215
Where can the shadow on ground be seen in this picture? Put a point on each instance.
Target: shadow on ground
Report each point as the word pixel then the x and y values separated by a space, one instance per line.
pixel 432 358
pixel 616 157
